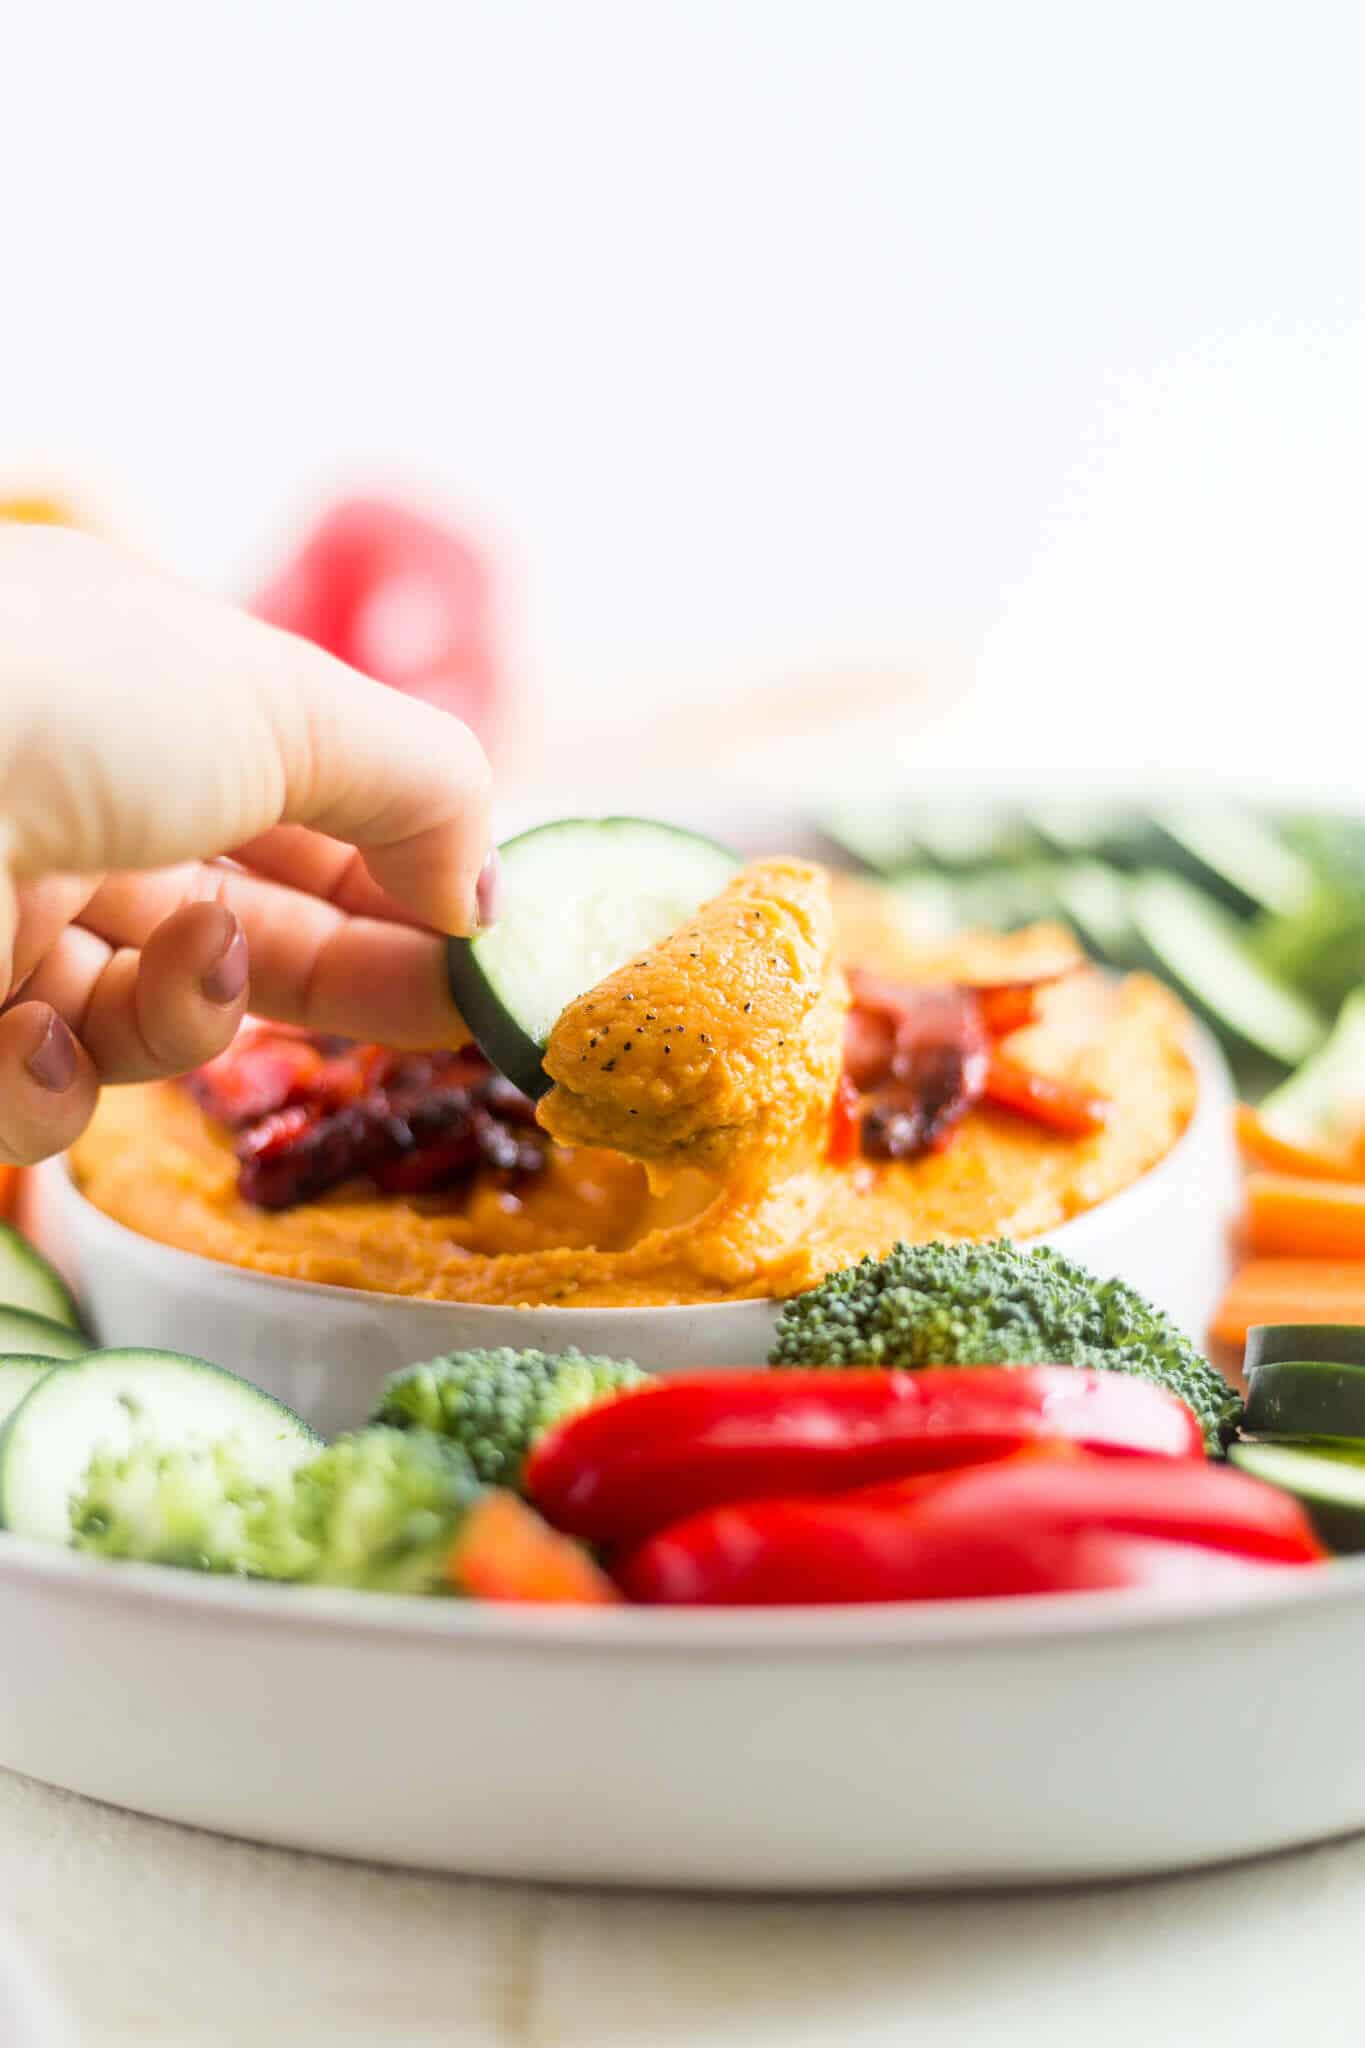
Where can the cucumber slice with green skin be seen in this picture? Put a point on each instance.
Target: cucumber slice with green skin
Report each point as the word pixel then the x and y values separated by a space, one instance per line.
pixel 1320 1343
pixel 1194 943
pixel 583 897
pixel 109 1398
pixel 18 1378
pixel 24 1335
pixel 880 836
pixel 1093 899
pixel 1298 1398
pixel 28 1281
pixel 1322 1106
pixel 1239 858
pixel 1330 1486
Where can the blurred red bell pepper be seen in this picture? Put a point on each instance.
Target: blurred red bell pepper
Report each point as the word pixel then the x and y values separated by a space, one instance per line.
pixel 1008 1528
pixel 398 596
pixel 617 1472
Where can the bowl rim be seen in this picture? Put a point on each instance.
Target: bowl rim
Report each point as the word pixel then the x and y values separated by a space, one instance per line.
pixel 1215 1096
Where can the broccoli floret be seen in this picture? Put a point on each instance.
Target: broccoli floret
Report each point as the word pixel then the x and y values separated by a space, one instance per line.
pixel 377 1509
pixel 993 1304
pixel 495 1404
pixel 192 1505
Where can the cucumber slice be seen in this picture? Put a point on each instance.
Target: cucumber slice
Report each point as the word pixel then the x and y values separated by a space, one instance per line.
pixel 1298 1398
pixel 1322 1106
pixel 1194 943
pixel 1321 1343
pixel 110 1397
pixel 880 836
pixel 25 1335
pixel 1093 899
pixel 1330 1485
pixel 18 1377
pixel 583 897
pixel 28 1281
pixel 966 837
pixel 1240 858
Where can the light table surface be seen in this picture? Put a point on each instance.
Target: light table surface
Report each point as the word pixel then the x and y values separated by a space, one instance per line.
pixel 158 1935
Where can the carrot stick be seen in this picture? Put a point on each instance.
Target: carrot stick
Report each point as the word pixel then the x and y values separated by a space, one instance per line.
pixel 1262 1147
pixel 1290 1216
pixel 1285 1290
pixel 9 1188
pixel 504 1551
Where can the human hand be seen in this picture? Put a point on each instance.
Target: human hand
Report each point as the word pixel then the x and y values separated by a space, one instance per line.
pixel 197 809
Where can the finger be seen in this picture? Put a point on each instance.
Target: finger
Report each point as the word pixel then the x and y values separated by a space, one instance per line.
pixel 310 963
pixel 307 860
pixel 48 1086
pixel 175 1003
pixel 240 727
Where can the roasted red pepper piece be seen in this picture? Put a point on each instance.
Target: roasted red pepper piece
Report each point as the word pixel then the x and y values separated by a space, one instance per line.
pixel 923 1056
pixel 1059 1105
pixel 617 1472
pixel 1009 1007
pixel 845 1128
pixel 1007 1528
pixel 398 596
pixel 258 1074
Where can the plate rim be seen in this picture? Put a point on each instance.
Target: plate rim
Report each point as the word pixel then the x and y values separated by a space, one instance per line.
pixel 894 1627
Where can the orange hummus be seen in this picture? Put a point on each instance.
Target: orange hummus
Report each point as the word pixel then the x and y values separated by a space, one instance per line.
pixel 689 1113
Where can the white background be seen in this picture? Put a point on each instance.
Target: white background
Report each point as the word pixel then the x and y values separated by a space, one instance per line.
pixel 861 342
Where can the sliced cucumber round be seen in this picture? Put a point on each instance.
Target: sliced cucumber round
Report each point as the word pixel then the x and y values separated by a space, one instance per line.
pixel 1321 1104
pixel 582 897
pixel 108 1399
pixel 1321 1343
pixel 19 1376
pixel 1329 1483
pixel 1195 943
pixel 1300 1398
pixel 28 1280
pixel 28 1336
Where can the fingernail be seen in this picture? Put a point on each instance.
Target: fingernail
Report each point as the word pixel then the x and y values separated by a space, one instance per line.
pixel 226 978
pixel 52 1062
pixel 488 895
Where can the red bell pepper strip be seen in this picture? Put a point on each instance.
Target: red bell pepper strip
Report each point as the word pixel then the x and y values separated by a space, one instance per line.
pixel 505 1552
pixel 1191 1502
pixel 614 1473
pixel 398 596
pixel 1057 1104
pixel 838 1552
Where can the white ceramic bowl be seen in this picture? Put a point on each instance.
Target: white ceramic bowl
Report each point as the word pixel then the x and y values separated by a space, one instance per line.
pixel 1085 1736
pixel 325 1350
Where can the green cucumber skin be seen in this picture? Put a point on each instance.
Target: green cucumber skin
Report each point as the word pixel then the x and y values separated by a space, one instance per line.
pixel 519 1058
pixel 1295 1343
pixel 494 1029
pixel 57 1302
pixel 26 1335
pixel 1340 1524
pixel 1299 1398
pixel 1156 894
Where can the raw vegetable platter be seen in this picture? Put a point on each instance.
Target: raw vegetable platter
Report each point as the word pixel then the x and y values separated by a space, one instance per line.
pixel 1185 1697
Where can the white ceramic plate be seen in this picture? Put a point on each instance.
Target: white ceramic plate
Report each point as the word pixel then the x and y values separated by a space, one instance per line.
pixel 326 1350
pixel 1086 1736
pixel 967 1743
